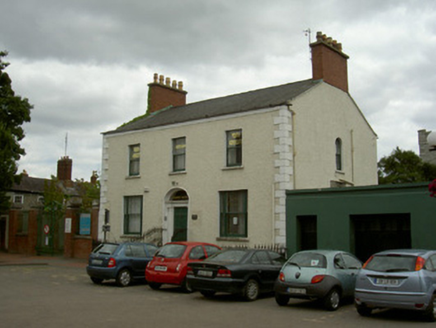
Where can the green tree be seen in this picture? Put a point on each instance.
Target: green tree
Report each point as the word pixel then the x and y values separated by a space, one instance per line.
pixel 404 166
pixel 88 192
pixel 14 111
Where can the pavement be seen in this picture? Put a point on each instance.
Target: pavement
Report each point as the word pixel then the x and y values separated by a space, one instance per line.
pixel 8 259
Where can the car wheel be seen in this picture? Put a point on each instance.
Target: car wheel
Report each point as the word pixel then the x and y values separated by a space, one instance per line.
pixel 186 287
pixel 332 300
pixel 251 290
pixel 154 285
pixel 208 293
pixel 124 278
pixel 430 311
pixel 281 300
pixel 363 310
pixel 97 281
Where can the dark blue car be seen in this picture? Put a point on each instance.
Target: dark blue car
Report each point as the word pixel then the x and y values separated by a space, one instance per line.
pixel 123 262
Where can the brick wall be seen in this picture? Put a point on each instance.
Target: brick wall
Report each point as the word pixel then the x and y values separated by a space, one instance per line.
pixel 19 242
pixel 162 95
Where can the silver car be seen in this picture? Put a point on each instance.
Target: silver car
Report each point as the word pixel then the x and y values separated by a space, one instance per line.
pixel 402 279
pixel 318 274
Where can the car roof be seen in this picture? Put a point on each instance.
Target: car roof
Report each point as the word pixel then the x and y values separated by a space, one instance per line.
pixel 190 243
pixel 322 251
pixel 415 252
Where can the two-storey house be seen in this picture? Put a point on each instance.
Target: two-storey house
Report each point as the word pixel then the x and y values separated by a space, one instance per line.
pixel 218 170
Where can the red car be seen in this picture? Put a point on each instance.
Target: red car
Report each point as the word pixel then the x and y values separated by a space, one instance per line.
pixel 170 262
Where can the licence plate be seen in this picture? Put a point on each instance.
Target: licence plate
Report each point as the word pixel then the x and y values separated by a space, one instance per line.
pixel 204 273
pixel 160 268
pixel 97 262
pixel 296 290
pixel 384 281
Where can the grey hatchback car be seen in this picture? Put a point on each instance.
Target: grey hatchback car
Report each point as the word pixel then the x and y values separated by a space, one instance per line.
pixel 402 279
pixel 326 275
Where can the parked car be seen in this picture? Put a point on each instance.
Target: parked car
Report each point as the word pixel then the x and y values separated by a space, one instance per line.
pixel 170 262
pixel 325 275
pixel 247 272
pixel 402 279
pixel 123 262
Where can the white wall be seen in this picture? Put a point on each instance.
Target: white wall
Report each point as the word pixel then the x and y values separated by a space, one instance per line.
pixel 322 115
pixel 205 175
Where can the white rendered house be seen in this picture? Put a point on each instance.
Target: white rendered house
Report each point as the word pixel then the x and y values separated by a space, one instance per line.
pixel 218 170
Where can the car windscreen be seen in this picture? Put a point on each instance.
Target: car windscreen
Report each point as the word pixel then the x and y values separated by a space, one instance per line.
pixel 151 249
pixel 231 256
pixel 172 251
pixel 392 263
pixel 308 260
pixel 107 249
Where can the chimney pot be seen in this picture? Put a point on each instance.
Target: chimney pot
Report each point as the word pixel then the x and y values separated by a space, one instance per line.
pixel 168 81
pixel 180 85
pixel 318 36
pixel 155 77
pixel 174 85
pixel 161 79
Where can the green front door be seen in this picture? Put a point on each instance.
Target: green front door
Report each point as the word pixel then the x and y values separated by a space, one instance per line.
pixel 180 224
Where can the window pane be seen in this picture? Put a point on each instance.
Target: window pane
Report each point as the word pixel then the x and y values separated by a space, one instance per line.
pixel 134 156
pixel 234 213
pixel 338 154
pixel 234 148
pixel 132 214
pixel 179 154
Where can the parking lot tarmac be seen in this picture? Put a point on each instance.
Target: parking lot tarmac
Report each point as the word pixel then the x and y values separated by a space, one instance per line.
pixel 50 295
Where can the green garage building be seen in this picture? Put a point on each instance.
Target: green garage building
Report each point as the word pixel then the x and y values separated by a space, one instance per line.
pixel 361 220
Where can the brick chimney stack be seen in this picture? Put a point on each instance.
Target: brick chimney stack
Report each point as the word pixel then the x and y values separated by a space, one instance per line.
pixel 161 95
pixel 65 168
pixel 329 62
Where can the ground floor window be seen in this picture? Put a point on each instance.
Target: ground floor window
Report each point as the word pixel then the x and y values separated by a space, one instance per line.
pixel 132 215
pixel 233 213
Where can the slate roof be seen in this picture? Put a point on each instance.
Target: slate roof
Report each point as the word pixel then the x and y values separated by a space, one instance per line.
pixel 29 185
pixel 37 185
pixel 238 103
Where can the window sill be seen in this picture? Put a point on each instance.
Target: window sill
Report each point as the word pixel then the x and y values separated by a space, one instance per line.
pixel 231 168
pixel 136 236
pixel 177 173
pixel 340 172
pixel 133 177
pixel 233 239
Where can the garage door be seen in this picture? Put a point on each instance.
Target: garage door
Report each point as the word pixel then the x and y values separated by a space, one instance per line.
pixel 374 233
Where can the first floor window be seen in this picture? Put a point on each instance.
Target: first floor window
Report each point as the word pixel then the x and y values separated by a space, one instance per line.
pixel 179 154
pixel 18 199
pixel 133 215
pixel 134 157
pixel 233 213
pixel 234 148
pixel 338 145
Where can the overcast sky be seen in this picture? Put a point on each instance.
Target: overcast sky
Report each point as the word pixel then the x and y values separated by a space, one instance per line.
pixel 85 65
